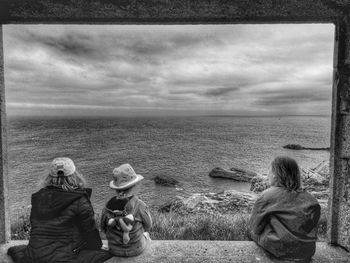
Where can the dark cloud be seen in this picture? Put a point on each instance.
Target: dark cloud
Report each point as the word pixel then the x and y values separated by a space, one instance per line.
pixel 70 44
pixel 293 96
pixel 167 68
pixel 218 92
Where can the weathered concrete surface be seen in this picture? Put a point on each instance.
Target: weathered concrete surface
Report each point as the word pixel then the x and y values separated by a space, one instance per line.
pixel 339 203
pixel 165 251
pixel 4 217
pixel 195 11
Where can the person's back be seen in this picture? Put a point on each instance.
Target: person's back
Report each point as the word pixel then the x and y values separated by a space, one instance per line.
pixel 142 223
pixel 284 218
pixel 284 223
pixel 61 222
pixel 125 218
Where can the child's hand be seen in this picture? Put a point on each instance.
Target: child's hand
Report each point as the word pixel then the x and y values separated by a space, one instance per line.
pixel 104 247
pixel 129 219
pixel 147 236
pixel 112 222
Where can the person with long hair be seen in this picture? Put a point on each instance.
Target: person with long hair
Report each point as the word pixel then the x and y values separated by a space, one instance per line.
pixel 63 227
pixel 285 216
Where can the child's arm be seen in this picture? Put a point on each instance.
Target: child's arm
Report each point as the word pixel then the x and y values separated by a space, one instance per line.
pixel 106 218
pixel 146 217
pixel 258 220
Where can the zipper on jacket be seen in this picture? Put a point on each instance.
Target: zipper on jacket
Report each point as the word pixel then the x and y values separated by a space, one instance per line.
pixel 79 248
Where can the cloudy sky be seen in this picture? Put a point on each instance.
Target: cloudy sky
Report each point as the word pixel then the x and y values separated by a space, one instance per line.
pixel 94 70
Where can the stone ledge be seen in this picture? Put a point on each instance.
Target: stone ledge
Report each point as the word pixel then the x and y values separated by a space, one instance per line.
pixel 171 251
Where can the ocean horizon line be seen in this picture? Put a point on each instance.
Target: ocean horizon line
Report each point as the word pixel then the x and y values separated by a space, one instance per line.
pixel 159 116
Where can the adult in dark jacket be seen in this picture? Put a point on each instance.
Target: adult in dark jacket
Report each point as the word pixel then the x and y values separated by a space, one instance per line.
pixel 63 227
pixel 284 218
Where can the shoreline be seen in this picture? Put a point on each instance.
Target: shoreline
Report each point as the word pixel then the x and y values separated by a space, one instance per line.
pixel 211 216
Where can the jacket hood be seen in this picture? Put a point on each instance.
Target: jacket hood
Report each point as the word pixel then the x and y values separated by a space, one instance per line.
pixel 50 201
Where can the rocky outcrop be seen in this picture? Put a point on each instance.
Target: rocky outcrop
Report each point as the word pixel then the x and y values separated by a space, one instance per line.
pixel 227 202
pixel 233 202
pixel 236 174
pixel 165 180
pixel 259 184
pixel 312 178
pixel 299 147
pixel 315 182
pixel 322 168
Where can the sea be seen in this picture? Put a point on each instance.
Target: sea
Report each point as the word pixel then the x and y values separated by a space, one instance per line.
pixel 184 148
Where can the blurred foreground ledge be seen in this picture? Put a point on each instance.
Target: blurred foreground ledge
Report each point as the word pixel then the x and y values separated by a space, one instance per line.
pixel 165 251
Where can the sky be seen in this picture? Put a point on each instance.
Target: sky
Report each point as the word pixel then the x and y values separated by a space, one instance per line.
pixel 146 70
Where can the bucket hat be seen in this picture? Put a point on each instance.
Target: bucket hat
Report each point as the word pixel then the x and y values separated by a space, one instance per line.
pixel 62 164
pixel 124 177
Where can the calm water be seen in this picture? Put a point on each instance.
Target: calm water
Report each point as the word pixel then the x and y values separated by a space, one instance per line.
pixel 186 148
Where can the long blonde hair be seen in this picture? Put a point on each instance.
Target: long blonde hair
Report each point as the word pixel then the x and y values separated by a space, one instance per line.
pixel 286 173
pixel 68 183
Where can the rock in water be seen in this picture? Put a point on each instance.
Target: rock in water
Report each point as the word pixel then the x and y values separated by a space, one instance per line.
pixel 165 180
pixel 293 147
pixel 236 174
pixel 299 147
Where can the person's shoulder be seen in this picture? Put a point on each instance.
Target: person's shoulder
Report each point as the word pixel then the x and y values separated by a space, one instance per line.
pixel 272 191
pixel 45 191
pixel 40 191
pixel 139 201
pixel 272 194
pixel 309 196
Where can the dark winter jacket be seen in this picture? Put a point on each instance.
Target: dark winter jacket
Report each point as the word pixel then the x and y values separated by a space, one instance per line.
pixel 63 228
pixel 143 223
pixel 284 223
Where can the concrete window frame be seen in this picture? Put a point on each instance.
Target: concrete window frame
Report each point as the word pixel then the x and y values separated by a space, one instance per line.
pixel 207 12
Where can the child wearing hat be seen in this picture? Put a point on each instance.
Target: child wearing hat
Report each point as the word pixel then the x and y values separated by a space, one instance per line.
pixel 125 218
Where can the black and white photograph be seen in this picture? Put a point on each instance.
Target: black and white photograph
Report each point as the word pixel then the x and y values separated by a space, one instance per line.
pixel 135 135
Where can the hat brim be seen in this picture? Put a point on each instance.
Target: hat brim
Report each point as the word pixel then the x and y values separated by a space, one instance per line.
pixel 128 185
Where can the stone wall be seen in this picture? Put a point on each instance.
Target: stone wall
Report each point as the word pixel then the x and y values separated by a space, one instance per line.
pixel 175 251
pixel 4 216
pixel 339 203
pixel 182 11
pixel 209 11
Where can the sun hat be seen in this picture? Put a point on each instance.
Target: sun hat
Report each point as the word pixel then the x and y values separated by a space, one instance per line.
pixel 62 164
pixel 124 177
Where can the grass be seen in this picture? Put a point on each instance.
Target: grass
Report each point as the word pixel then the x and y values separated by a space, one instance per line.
pixel 20 225
pixel 199 227
pixel 172 226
